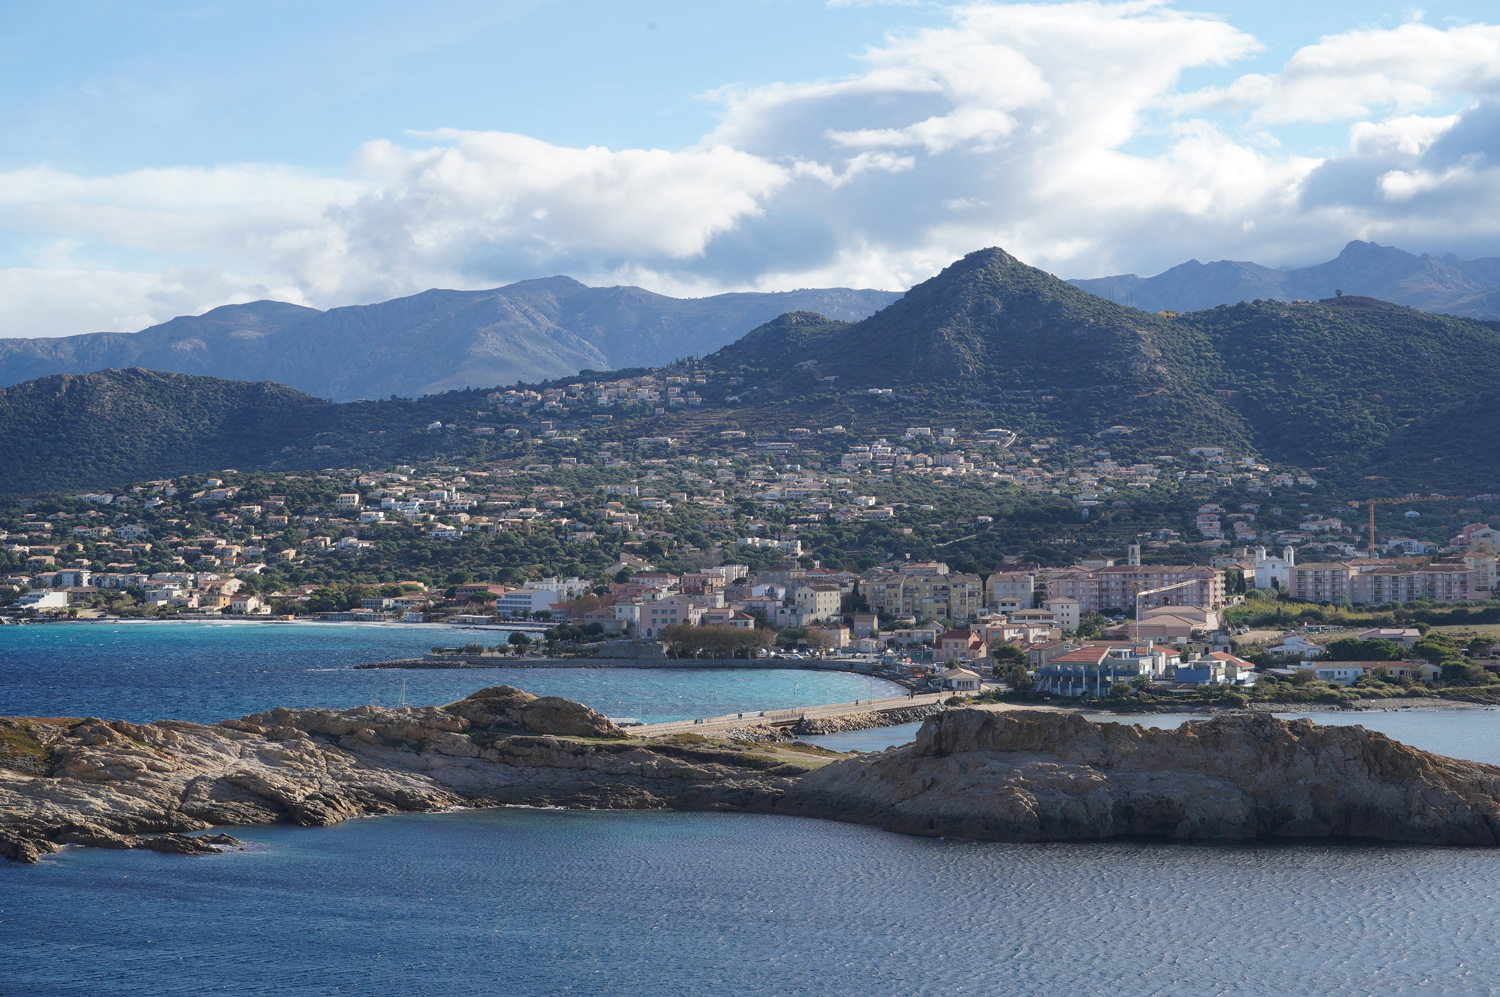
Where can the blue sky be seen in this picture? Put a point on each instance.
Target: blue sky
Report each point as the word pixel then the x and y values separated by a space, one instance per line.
pixel 164 158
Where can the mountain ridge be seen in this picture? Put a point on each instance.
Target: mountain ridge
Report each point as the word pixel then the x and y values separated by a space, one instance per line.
pixel 1443 284
pixel 432 341
pixel 1346 382
pixel 1348 387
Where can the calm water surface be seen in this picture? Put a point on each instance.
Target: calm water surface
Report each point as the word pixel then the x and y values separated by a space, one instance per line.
pixel 522 902
pixel 208 671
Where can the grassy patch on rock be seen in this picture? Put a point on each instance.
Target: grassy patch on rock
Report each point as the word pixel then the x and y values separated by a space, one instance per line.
pixel 22 748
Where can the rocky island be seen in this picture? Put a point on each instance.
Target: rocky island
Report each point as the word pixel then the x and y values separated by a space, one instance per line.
pixel 1000 776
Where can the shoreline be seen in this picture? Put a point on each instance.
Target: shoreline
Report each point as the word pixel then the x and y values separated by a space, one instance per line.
pixel 1023 775
pixel 522 626
pixel 1391 705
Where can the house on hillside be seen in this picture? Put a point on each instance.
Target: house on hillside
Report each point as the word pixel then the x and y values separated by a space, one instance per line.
pixel 1405 636
pixel 1296 647
pixel 961 645
pixel 1217 668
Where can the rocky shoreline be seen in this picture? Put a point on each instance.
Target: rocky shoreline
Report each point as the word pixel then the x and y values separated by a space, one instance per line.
pixel 816 726
pixel 1002 776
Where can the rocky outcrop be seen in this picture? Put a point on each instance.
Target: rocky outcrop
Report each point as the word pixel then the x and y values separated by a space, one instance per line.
pixel 505 706
pixel 1016 776
pixel 1023 776
pixel 117 784
pixel 813 726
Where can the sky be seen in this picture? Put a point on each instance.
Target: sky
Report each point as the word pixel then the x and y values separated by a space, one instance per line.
pixel 162 159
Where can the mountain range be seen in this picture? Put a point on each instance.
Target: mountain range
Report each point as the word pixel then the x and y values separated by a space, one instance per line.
pixel 434 341
pixel 1347 388
pixel 1349 385
pixel 1446 284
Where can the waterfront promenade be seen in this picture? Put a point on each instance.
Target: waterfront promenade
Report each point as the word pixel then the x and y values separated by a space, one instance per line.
pixel 785 718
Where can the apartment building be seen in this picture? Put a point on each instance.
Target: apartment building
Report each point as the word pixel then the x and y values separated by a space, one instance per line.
pixel 1317 581
pixel 926 590
pixel 1114 587
pixel 1008 591
pixel 1466 579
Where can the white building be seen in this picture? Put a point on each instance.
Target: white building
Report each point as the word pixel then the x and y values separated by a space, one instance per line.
pixel 566 588
pixel 960 680
pixel 1066 612
pixel 1273 572
pixel 40 600
pixel 519 602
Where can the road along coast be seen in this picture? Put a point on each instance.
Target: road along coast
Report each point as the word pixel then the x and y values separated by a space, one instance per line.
pixel 990 775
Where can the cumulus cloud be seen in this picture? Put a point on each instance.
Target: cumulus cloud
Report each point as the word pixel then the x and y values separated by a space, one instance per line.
pixel 1060 131
pixel 1366 71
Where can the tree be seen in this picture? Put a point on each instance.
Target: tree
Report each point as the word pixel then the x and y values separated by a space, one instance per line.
pixel 1353 649
pixel 819 640
pixel 1018 678
pixel 1438 648
pixel 714 641
pixel 1465 673
pixel 1007 654
pixel 519 640
pixel 1091 625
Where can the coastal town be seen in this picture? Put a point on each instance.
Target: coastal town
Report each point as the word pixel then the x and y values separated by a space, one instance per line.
pixel 647 550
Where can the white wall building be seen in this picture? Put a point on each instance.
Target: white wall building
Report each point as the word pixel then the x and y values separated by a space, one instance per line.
pixel 41 599
pixel 1066 612
pixel 525 601
pixel 1272 572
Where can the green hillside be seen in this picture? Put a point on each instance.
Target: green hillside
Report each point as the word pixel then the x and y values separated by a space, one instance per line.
pixel 84 430
pixel 104 429
pixel 1347 388
pixel 1342 384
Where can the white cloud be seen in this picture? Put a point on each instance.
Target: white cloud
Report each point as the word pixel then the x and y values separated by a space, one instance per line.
pixel 1410 135
pixel 481 198
pixel 1361 72
pixel 1057 130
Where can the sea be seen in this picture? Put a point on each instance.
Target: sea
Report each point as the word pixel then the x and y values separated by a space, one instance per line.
pixel 520 901
pixel 206 672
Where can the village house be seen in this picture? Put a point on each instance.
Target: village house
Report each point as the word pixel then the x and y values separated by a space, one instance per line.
pixel 961 645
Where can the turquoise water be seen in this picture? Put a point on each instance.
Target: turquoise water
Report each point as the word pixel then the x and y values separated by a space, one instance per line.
pixel 208 671
pixel 521 903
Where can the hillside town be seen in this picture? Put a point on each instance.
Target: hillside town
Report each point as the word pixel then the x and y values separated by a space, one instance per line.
pixel 739 534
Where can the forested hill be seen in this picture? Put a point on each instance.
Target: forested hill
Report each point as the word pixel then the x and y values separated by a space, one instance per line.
pixel 1347 384
pixel 1345 388
pixel 104 429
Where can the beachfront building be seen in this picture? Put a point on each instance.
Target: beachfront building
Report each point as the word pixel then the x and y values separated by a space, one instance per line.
pixel 1093 669
pixel 1216 668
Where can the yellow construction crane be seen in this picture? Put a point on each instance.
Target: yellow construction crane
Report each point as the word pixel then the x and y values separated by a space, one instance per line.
pixel 1372 503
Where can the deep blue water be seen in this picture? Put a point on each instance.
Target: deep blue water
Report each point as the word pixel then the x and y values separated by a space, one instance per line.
pixel 515 902
pixel 208 671
pixel 523 902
